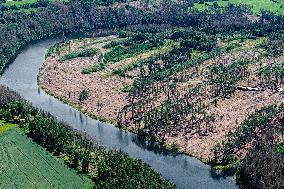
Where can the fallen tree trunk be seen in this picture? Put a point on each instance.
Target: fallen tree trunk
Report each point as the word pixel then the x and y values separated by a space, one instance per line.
pixel 242 88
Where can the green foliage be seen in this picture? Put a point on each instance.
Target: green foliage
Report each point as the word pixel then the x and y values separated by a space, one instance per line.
pixel 274 45
pixel 229 168
pixel 55 20
pixel 4 126
pixel 84 95
pixel 25 5
pixel 117 53
pixel 84 53
pixel 86 3
pixel 121 71
pixel 127 88
pixel 195 40
pixel 227 159
pixel 280 148
pixel 122 34
pixel 257 5
pixel 20 2
pixel 113 44
pixel 93 68
pixel 271 76
pixel 225 77
pixel 50 50
pixel 136 44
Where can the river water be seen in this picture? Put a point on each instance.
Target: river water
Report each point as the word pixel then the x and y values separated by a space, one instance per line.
pixel 186 172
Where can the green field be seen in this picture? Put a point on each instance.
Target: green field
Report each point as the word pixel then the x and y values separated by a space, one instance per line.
pixel 18 3
pixel 23 2
pixel 24 164
pixel 6 126
pixel 277 6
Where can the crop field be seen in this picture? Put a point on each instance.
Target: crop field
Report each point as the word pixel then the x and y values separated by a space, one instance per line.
pixel 23 2
pixel 18 3
pixel 6 126
pixel 24 164
pixel 26 6
pixel 257 5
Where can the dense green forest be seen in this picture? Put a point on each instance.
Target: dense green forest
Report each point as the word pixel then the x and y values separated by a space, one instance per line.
pixel 198 33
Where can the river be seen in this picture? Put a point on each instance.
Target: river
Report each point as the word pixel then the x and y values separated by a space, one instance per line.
pixel 186 172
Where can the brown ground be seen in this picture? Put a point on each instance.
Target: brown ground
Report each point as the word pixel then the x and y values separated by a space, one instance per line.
pixel 65 79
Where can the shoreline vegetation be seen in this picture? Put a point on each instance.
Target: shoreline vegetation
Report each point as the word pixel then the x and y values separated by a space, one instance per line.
pixel 107 169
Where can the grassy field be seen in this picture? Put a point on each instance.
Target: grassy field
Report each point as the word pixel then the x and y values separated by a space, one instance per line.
pixel 274 6
pixel 6 126
pixel 24 164
pixel 18 3
pixel 23 2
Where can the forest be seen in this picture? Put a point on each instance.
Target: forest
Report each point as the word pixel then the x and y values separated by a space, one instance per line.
pixel 199 77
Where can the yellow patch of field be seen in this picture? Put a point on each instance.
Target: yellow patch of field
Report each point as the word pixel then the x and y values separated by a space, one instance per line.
pixel 6 126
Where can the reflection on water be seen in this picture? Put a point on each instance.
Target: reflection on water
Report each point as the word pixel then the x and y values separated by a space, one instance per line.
pixel 186 172
pixel 151 146
pixel 81 118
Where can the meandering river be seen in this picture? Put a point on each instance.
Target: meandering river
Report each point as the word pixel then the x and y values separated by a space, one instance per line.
pixel 186 172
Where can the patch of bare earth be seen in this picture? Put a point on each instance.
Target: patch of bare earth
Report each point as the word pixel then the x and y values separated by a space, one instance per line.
pixel 230 113
pixel 64 79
